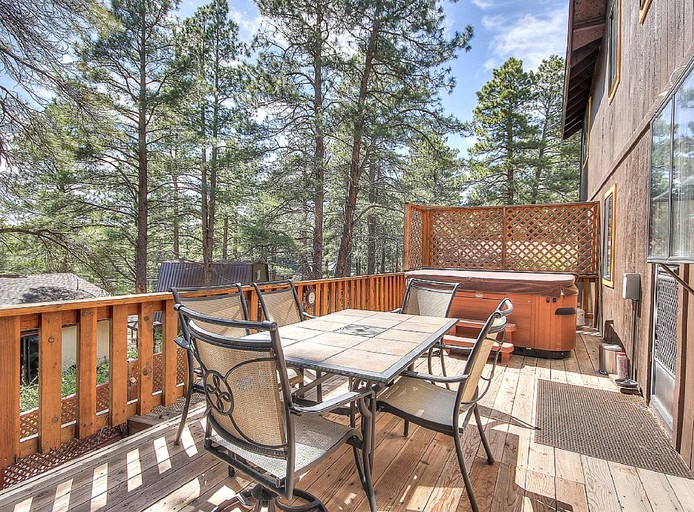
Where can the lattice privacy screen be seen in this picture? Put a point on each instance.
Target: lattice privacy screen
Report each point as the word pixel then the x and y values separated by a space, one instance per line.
pixel 554 238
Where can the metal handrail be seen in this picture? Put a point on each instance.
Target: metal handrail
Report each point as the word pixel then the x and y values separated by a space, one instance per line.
pixel 676 277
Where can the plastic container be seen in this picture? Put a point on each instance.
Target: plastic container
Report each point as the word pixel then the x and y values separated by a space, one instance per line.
pixel 622 366
pixel 580 317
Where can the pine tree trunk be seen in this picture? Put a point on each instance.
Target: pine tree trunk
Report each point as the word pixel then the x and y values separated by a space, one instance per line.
pixel 225 242
pixel 142 181
pixel 372 222
pixel 355 166
pixel 176 219
pixel 319 156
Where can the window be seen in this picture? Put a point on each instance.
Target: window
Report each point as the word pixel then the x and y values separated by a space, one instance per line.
pixel 614 47
pixel 643 9
pixel 671 219
pixel 608 226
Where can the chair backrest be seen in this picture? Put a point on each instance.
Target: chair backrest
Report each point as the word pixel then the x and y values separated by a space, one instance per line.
pixel 495 324
pixel 210 302
pixel 280 303
pixel 428 298
pixel 246 385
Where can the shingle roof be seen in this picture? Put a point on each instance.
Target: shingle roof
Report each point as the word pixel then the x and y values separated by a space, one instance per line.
pixel 26 289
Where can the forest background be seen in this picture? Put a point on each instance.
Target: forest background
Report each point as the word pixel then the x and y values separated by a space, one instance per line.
pixel 130 136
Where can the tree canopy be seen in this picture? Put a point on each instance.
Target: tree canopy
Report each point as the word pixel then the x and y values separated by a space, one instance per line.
pixel 140 137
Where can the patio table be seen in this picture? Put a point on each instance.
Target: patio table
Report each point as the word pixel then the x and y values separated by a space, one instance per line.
pixel 371 347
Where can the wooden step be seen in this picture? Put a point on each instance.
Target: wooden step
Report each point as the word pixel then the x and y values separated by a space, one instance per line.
pixel 467 343
pixel 478 324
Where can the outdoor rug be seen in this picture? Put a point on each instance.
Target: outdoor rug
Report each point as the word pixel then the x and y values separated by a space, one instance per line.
pixel 606 425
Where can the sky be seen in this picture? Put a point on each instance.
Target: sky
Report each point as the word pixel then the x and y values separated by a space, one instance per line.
pixel 529 30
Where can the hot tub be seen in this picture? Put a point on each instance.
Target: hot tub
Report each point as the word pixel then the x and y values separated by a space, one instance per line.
pixel 544 305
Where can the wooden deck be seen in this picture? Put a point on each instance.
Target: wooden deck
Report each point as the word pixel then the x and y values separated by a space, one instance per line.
pixel 147 472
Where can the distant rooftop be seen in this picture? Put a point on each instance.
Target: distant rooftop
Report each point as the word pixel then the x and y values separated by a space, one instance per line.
pixel 27 289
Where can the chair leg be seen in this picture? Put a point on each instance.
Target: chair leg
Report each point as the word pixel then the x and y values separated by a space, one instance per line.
pixel 364 471
pixel 478 420
pixel 186 406
pixel 463 468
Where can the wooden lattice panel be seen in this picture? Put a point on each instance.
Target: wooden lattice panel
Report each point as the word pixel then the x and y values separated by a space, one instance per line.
pixel 555 238
pixel 416 239
pixel 467 238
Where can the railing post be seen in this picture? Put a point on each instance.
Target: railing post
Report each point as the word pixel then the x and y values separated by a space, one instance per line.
pixel 9 398
pixel 50 380
pixel 170 356
pixel 86 373
pixel 145 354
pixel 118 363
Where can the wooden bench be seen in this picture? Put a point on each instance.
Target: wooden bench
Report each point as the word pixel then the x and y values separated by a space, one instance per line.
pixel 454 342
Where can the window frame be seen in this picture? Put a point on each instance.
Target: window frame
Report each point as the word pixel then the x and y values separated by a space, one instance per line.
pixel 616 11
pixel 670 99
pixel 608 280
pixel 643 10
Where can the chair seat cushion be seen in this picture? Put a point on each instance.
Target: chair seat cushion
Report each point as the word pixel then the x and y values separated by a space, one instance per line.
pixel 315 437
pixel 423 400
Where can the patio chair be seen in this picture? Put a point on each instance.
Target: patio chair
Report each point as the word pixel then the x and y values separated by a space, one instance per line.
pixel 415 396
pixel 429 298
pixel 281 305
pixel 229 306
pixel 252 423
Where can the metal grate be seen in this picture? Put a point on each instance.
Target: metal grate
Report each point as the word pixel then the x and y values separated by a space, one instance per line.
pixel 665 338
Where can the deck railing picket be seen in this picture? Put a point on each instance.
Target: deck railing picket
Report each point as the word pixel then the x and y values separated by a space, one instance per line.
pixel 9 398
pixel 118 364
pixel 86 372
pixel 50 379
pixel 145 355
pixel 170 354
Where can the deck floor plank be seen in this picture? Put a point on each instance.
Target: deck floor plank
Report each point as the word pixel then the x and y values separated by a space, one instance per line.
pixel 417 473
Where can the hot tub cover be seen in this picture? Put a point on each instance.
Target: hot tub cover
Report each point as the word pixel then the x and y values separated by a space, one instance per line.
pixel 502 282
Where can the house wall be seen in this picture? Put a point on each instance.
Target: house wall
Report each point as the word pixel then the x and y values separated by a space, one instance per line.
pixel 653 56
pixel 70 337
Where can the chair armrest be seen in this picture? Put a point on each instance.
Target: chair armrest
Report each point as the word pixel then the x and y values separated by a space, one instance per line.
pixel 308 315
pixel 435 378
pixel 182 342
pixel 331 404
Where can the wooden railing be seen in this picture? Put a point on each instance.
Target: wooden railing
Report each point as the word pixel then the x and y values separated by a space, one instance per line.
pixel 379 292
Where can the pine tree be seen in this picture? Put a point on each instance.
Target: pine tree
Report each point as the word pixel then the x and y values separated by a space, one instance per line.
pixel 128 68
pixel 208 54
pixel 395 80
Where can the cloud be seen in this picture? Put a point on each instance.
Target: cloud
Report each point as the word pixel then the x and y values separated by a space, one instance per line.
pixel 249 22
pixel 528 37
pixel 484 4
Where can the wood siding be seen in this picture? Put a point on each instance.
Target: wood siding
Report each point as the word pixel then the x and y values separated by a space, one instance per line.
pixel 653 56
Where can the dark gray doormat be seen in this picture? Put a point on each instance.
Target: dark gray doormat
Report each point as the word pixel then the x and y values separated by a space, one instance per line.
pixel 606 425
